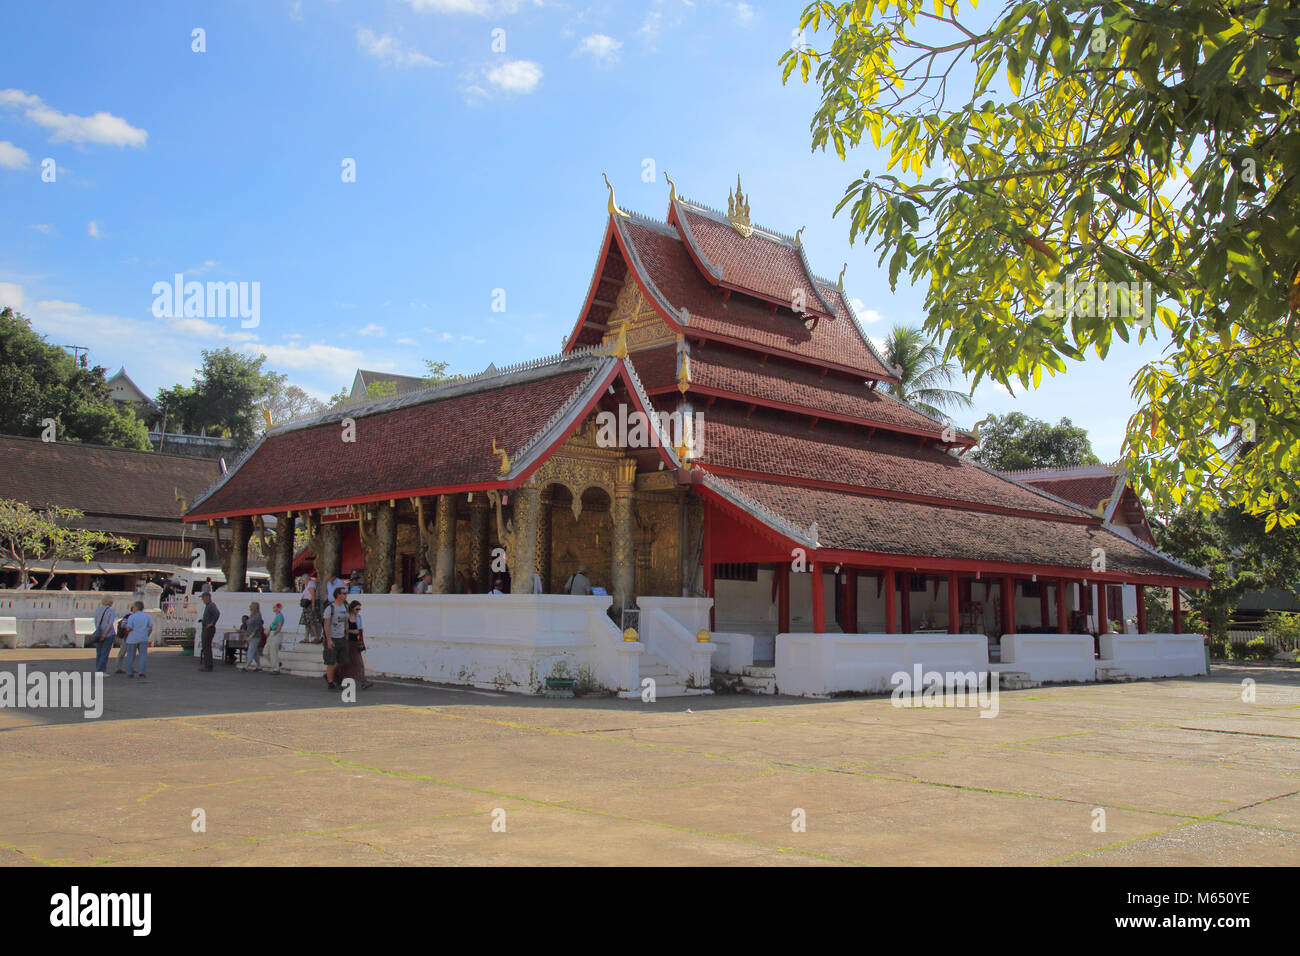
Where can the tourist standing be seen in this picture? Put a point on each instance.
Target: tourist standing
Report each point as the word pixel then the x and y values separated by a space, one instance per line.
pixel 273 641
pixel 207 630
pixel 104 634
pixel 425 583
pixel 207 585
pixel 310 619
pixel 335 653
pixel 138 628
pixel 254 631
pixel 356 644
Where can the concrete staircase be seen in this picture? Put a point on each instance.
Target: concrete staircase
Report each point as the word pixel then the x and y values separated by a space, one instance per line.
pixel 300 660
pixel 757 679
pixel 668 683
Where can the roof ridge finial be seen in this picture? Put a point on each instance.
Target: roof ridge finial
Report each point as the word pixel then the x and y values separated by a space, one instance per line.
pixel 839 283
pixel 613 206
pixel 738 211
pixel 672 188
pixel 797 233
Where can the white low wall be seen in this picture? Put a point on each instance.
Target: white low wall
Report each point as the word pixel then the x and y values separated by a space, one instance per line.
pixel 734 651
pixel 509 642
pixel 1154 655
pixel 1050 657
pixel 818 664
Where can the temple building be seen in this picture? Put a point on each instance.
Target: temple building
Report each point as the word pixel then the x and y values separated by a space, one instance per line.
pixel 718 429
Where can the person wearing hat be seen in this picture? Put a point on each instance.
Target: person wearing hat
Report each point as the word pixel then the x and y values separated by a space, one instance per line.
pixel 274 635
pixel 578 582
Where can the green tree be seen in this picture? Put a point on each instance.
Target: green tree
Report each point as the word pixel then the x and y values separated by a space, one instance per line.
pixel 1016 441
pixel 28 535
pixel 225 398
pixel 436 372
pixel 287 401
pixel 1232 547
pixel 1118 142
pixel 922 373
pixel 40 381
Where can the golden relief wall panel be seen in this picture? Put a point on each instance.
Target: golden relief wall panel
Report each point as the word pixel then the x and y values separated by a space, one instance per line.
pixel 641 320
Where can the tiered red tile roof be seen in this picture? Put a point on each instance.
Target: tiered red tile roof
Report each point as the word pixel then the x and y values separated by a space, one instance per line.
pixel 413 444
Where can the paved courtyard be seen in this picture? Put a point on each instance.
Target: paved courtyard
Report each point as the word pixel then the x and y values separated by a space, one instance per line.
pixel 285 773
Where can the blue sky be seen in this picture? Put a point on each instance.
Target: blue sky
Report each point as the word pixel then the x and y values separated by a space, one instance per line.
pixel 477 169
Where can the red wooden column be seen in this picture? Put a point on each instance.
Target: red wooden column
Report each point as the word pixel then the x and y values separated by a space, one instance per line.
pixel 1008 605
pixel 1062 607
pixel 1142 608
pixel 818 600
pixel 708 562
pixel 1178 611
pixel 891 603
pixel 954 605
pixel 783 597
pixel 906 604
pixel 1043 613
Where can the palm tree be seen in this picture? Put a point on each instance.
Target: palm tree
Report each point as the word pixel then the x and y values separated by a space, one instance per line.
pixel 919 365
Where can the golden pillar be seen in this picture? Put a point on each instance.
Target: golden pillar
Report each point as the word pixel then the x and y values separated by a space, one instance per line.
pixel 445 571
pixel 624 562
pixel 544 540
pixel 480 510
pixel 522 559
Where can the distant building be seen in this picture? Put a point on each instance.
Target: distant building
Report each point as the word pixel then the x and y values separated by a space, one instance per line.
pixel 365 379
pixel 126 394
pixel 132 494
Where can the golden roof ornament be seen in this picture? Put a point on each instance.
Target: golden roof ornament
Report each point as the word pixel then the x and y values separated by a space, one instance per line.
pixel 797 233
pixel 839 283
pixel 505 459
pixel 738 211
pixel 618 348
pixel 613 206
pixel 684 373
pixel 672 188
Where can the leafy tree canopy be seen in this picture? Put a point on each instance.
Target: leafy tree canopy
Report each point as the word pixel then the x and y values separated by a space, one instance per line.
pixel 1016 441
pixel 28 535
pixel 1232 547
pixel 1145 145
pixel 225 397
pixel 922 373
pixel 40 381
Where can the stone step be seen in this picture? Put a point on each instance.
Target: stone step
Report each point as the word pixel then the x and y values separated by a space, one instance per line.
pixel 756 670
pixel 758 685
pixel 1016 680
pixel 1106 673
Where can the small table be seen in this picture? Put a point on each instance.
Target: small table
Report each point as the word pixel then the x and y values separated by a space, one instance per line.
pixel 233 645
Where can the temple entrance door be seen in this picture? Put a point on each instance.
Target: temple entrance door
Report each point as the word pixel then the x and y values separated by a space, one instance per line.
pixel 408 573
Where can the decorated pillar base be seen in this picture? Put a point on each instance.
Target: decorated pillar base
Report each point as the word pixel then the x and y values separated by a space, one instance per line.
pixel 522 557
pixel 623 577
pixel 444 571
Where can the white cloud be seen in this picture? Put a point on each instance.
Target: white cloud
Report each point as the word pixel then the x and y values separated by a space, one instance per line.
pixel 43 227
pixel 11 294
pixel 604 49
pixel 406 341
pixel 863 313
pixel 372 329
pixel 101 127
pixel 744 12
pixel 11 156
pixel 314 356
pixel 445 337
pixel 389 50
pixel 93 230
pixel 208 265
pixel 479 8
pixel 516 76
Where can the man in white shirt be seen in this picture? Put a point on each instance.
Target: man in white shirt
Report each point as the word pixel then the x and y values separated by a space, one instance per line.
pixel 424 584
pixel 139 626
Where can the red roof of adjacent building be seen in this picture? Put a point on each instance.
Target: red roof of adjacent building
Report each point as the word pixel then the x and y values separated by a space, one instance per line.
pixel 860 522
